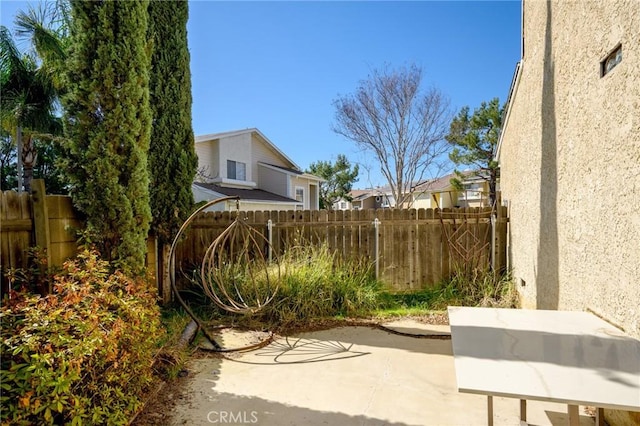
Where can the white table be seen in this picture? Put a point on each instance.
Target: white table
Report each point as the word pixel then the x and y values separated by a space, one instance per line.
pixel 558 356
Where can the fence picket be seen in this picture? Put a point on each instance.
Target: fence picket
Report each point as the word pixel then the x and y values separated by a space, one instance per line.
pixel 414 251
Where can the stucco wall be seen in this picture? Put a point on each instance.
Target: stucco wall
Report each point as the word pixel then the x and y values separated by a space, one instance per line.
pixel 570 161
pixel 423 201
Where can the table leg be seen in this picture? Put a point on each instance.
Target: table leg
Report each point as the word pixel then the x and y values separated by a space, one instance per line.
pixel 599 416
pixel 490 410
pixel 523 410
pixel 574 415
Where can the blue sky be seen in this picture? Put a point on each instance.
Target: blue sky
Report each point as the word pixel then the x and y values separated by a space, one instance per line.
pixel 278 66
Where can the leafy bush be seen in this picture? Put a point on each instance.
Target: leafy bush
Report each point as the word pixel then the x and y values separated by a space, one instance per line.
pixel 83 354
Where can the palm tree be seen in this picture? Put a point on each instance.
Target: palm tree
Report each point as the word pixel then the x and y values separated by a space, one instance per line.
pixel 47 30
pixel 31 83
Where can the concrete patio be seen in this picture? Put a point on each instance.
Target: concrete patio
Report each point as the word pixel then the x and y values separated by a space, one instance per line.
pixel 344 376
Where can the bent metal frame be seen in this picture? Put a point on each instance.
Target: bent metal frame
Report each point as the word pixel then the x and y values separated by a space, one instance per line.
pixel 568 357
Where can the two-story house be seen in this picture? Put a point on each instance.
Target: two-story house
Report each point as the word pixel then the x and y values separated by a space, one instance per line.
pixel 245 163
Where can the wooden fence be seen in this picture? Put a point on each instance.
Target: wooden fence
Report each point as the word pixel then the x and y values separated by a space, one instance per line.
pixel 410 249
pixel 48 222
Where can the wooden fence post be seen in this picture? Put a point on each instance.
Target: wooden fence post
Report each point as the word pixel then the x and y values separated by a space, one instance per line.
pixel 41 222
pixel 164 273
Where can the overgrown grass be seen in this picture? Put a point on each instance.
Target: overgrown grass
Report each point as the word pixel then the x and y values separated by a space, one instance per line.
pixel 480 288
pixel 172 358
pixel 316 283
pixel 465 288
pixel 313 282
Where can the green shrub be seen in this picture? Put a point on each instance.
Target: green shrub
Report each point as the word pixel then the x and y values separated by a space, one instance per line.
pixel 83 354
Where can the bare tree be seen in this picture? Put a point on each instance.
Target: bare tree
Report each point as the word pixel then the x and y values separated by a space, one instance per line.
pixel 403 127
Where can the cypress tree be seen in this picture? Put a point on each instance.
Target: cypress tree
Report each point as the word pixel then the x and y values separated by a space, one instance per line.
pixel 108 126
pixel 172 158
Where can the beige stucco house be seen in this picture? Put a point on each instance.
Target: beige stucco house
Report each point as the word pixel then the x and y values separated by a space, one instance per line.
pixel 569 156
pixel 440 192
pixel 245 163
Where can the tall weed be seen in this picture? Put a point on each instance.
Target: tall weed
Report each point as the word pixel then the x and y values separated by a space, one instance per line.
pixel 312 282
pixel 479 287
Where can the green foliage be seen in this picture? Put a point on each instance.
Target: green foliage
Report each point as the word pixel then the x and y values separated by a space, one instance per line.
pixel 37 278
pixel 28 93
pixel 479 288
pixel 339 178
pixel 108 123
pixel 313 283
pixel 8 162
pixel 475 139
pixel 475 288
pixel 316 283
pixel 172 158
pixel 32 100
pixel 45 167
pixel 46 27
pixel 82 355
pixel 28 103
pixel 174 355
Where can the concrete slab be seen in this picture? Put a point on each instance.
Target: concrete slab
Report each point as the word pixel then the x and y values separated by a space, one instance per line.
pixel 410 326
pixel 343 376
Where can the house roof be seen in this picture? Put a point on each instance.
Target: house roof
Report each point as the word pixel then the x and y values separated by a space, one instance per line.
pixel 434 185
pixel 363 194
pixel 507 107
pixel 246 194
pixel 253 130
pixel 444 183
pixel 292 171
pixel 360 194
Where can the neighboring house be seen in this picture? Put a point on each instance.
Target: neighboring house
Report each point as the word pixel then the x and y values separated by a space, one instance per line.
pixel 364 199
pixel 475 191
pixel 435 193
pixel 246 164
pixel 440 193
pixel 430 194
pixel 569 158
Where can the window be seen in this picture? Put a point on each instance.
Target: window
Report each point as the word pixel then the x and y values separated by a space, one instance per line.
pixel 300 194
pixel 612 59
pixel 343 205
pixel 236 170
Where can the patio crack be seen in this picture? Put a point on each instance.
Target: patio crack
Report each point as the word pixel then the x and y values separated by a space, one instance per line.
pixel 383 378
